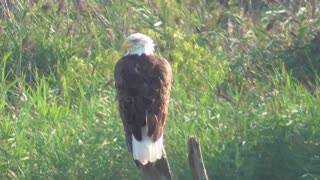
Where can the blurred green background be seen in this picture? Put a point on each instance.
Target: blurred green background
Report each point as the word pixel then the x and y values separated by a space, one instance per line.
pixel 246 83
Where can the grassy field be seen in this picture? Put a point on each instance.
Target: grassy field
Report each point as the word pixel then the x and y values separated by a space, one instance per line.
pixel 246 83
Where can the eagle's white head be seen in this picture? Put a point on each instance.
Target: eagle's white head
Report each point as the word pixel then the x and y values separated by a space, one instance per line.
pixel 139 44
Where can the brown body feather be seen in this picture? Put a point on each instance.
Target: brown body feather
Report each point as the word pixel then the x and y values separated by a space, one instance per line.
pixel 143 85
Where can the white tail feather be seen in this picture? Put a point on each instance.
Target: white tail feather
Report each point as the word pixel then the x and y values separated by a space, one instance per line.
pixel 146 150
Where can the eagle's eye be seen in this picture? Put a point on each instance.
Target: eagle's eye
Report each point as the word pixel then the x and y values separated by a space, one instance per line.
pixel 135 40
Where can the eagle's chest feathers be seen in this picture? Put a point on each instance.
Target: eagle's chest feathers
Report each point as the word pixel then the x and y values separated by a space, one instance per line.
pixel 136 69
pixel 140 80
pixel 141 70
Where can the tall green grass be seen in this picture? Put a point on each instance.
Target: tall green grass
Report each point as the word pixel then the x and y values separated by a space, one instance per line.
pixel 250 94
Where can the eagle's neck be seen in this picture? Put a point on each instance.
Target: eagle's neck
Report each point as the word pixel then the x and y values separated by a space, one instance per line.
pixel 147 49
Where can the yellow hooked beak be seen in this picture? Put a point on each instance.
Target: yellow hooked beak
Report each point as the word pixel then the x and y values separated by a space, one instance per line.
pixel 126 44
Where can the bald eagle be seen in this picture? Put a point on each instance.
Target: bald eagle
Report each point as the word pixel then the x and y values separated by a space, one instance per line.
pixel 143 85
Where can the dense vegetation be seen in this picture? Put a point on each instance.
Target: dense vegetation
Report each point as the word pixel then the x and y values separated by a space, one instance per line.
pixel 246 82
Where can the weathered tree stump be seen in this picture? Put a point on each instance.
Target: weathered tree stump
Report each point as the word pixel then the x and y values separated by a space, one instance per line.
pixel 195 160
pixel 158 171
pixel 161 169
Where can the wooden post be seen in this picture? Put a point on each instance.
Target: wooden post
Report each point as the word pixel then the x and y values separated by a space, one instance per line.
pixel 158 171
pixel 195 160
